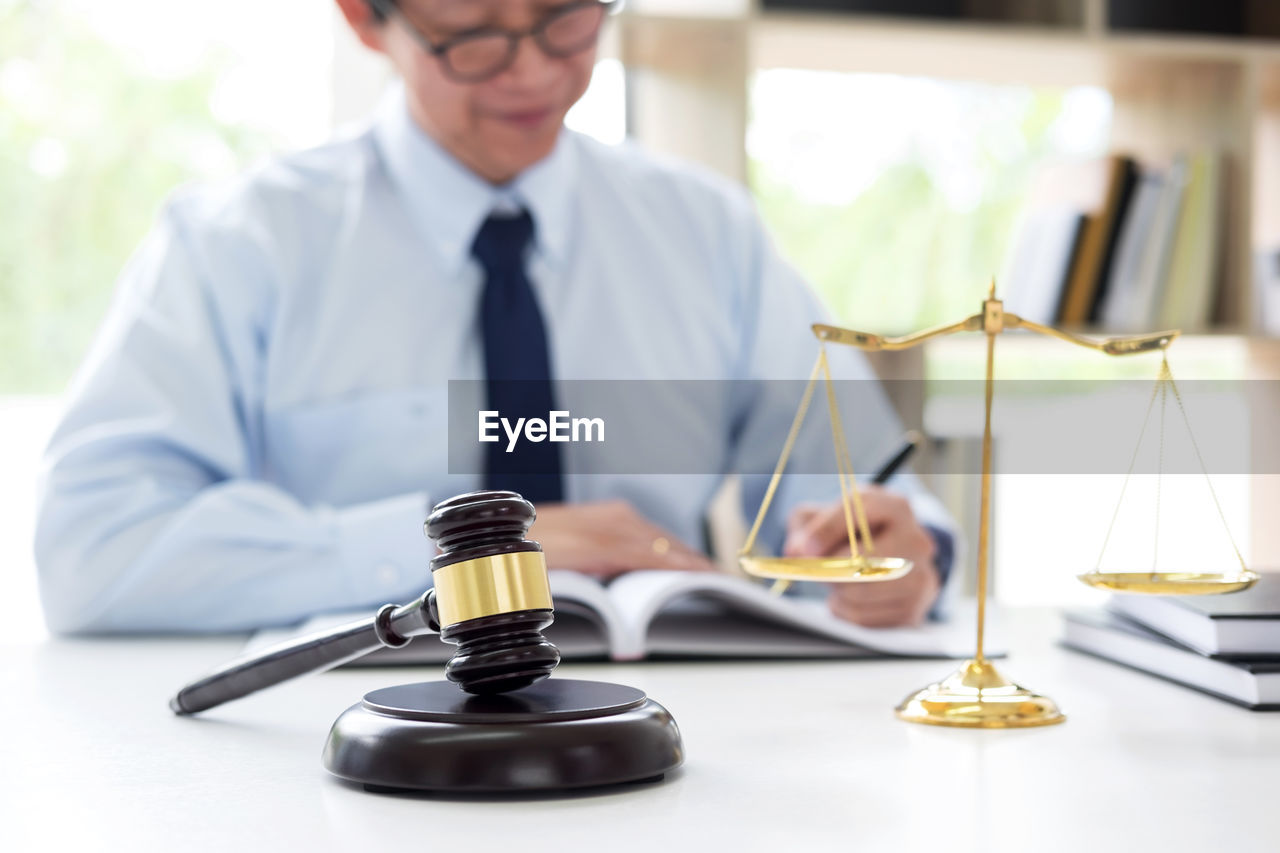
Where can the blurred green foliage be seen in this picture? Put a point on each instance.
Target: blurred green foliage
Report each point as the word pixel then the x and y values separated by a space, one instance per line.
pixel 90 145
pixel 899 257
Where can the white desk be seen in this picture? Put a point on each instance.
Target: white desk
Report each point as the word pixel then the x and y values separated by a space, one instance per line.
pixel 92 759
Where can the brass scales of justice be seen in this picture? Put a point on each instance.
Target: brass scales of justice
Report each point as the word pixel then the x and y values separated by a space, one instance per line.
pixel 976 695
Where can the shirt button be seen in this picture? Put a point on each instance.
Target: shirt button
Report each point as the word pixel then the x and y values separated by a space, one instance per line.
pixel 387 574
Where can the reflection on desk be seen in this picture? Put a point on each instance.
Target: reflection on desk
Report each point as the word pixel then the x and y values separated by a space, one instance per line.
pixel 786 756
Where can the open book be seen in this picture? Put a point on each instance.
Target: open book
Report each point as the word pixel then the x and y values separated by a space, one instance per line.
pixel 668 614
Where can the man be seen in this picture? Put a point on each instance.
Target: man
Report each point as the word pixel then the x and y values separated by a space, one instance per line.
pixel 259 428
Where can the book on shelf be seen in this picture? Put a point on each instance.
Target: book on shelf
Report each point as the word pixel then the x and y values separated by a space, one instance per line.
pixel 1251 683
pixel 1155 253
pixel 1037 270
pixel 1122 298
pixel 1193 267
pixel 1090 268
pixel 1047 239
pixel 1242 624
pixel 666 614
pixel 1147 254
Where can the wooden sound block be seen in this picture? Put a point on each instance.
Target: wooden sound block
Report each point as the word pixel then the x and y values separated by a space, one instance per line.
pixel 556 734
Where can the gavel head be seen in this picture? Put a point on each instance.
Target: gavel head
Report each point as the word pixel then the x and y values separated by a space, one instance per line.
pixel 492 595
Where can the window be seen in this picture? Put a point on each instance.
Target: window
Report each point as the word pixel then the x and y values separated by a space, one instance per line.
pixel 104 109
pixel 894 194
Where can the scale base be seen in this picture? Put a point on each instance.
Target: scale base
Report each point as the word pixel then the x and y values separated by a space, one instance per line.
pixel 556 734
pixel 976 696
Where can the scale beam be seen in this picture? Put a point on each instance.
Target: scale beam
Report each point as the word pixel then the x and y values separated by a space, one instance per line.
pixel 877 343
pixel 1122 345
pixel 1119 345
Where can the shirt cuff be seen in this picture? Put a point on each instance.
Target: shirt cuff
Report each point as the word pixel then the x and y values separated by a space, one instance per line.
pixel 383 550
pixel 943 559
pixel 945 551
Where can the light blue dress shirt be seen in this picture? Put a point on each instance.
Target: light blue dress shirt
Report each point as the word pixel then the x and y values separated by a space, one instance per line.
pixel 258 429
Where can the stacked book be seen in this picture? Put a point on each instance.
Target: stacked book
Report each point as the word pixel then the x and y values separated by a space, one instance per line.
pixel 1121 246
pixel 1224 645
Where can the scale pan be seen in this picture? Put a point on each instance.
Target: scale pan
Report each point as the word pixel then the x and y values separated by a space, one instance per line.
pixel 1170 583
pixel 830 569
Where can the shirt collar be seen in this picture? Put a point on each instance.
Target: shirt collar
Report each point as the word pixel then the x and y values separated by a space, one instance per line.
pixel 449 202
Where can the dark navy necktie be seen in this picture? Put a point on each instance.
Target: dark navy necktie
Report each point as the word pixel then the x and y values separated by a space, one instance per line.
pixel 516 359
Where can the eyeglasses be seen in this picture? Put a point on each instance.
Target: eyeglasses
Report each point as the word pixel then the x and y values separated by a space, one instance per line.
pixel 478 55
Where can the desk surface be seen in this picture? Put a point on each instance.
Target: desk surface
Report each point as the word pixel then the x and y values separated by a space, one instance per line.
pixel 92 759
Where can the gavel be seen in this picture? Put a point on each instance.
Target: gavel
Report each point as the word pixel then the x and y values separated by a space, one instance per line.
pixel 490 597
pixel 509 728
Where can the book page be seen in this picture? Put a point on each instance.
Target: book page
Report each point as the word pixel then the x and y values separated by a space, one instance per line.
pixel 578 597
pixel 583 627
pixel 698 627
pixel 656 605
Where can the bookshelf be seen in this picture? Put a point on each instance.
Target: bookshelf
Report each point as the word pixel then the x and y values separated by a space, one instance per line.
pixel 1183 75
pixel 1180 81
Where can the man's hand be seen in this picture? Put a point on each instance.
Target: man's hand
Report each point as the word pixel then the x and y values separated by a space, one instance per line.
pixel 609 538
pixel 819 531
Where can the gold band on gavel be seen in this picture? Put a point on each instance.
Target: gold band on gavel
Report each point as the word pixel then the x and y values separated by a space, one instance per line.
pixel 489 585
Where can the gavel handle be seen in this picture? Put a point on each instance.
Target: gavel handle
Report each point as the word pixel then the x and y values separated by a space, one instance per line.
pixel 393 627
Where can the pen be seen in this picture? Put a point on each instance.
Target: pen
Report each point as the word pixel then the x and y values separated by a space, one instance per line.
pixel 910 441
